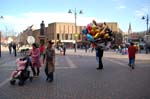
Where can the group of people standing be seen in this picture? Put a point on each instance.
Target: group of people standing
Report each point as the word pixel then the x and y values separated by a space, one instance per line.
pixel 48 59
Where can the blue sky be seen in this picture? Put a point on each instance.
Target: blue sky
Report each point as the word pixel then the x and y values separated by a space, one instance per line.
pixel 19 14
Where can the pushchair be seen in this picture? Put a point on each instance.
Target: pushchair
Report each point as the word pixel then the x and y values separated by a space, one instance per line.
pixel 22 73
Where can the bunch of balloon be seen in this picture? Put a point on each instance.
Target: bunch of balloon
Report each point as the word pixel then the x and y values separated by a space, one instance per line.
pixel 98 34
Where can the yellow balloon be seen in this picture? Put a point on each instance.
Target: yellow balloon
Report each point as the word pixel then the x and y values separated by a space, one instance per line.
pixel 96 35
pixel 97 30
pixel 92 32
pixel 106 36
pixel 94 27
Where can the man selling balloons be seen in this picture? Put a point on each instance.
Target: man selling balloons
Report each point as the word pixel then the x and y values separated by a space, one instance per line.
pixel 98 34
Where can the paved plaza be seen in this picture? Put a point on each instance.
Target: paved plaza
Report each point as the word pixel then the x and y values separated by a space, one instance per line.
pixel 76 77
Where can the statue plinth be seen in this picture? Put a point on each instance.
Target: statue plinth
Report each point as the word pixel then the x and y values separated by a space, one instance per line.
pixel 42 39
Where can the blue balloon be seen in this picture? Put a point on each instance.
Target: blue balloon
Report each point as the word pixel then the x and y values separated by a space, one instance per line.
pixel 84 31
pixel 90 38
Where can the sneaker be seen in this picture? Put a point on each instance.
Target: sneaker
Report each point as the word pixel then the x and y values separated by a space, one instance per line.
pixel 132 66
pixel 129 65
pixel 50 80
pixel 99 68
pixel 47 79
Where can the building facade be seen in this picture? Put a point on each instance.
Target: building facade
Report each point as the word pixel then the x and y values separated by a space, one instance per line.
pixel 64 32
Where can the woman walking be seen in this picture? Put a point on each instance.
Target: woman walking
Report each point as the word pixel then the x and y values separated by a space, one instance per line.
pixel 35 58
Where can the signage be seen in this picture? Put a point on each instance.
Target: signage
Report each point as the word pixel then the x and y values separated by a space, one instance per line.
pixel 30 39
pixel 134 36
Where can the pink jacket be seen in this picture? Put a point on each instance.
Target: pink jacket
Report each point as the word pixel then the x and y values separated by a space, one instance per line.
pixel 35 54
pixel 21 64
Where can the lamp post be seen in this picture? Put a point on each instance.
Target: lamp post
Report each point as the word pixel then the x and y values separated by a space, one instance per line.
pixel 1 17
pixel 147 23
pixel 75 17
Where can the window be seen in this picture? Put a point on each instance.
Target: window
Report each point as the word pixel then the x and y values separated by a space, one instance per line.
pixel 63 37
pixel 70 36
pixel 60 38
pixel 66 36
pixel 57 36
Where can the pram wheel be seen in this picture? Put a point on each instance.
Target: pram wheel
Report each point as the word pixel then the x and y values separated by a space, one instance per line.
pixel 12 82
pixel 21 83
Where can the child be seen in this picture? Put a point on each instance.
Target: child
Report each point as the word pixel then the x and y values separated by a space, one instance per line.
pixel 20 66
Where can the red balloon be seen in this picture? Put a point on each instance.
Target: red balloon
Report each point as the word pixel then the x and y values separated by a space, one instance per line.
pixel 89 27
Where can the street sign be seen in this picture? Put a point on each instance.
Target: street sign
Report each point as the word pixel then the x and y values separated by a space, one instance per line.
pixel 30 39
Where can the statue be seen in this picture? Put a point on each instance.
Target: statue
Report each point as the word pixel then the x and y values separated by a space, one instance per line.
pixel 42 28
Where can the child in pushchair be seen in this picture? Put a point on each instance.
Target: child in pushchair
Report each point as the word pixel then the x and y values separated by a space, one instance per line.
pixel 22 72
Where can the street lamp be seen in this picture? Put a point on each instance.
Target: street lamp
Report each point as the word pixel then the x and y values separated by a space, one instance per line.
pixel 75 17
pixel 1 17
pixel 147 23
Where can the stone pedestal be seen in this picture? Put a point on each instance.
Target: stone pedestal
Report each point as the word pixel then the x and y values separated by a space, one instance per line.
pixel 42 39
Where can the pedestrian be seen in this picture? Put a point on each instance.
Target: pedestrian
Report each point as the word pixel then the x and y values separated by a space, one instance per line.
pixel 137 47
pixel 35 59
pixel 49 61
pixel 99 56
pixel 61 49
pixel 86 48
pixel 64 50
pixel 14 49
pixel 131 54
pixel 119 49
pixel 42 48
pixel 10 47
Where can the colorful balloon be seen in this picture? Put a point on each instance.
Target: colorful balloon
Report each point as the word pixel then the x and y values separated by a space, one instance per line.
pixel 98 34
pixel 84 31
pixel 106 36
pixel 90 38
pixel 89 27
pixel 97 30
pixel 94 27
pixel 92 32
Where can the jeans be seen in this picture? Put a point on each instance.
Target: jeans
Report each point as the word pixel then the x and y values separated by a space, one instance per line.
pixel 100 55
pixel 131 61
pixel 50 75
